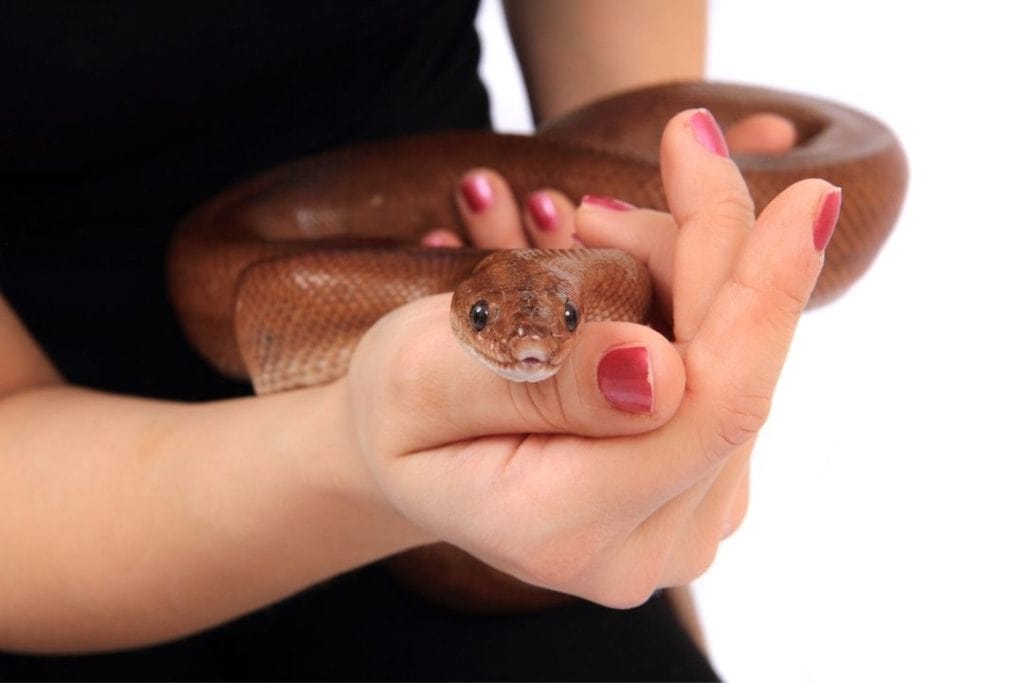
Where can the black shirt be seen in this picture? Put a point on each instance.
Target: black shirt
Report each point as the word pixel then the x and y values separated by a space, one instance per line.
pixel 116 119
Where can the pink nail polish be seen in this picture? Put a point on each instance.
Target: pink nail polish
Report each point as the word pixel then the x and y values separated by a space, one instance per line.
pixel 542 211
pixel 828 216
pixel 708 134
pixel 624 378
pixel 439 239
pixel 477 192
pixel 606 203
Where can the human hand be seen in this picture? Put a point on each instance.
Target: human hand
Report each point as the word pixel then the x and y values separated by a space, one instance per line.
pixel 623 472
pixel 494 220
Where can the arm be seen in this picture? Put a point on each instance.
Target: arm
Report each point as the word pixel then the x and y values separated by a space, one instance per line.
pixel 126 521
pixel 574 51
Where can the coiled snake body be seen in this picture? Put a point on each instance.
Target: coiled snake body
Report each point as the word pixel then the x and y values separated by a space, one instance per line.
pixel 277 278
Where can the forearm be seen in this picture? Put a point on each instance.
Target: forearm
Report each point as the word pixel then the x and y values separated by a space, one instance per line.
pixel 125 521
pixel 574 51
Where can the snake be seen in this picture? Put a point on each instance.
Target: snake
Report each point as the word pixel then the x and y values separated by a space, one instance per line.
pixel 276 279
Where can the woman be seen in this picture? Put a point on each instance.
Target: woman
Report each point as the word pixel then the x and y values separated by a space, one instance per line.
pixel 232 536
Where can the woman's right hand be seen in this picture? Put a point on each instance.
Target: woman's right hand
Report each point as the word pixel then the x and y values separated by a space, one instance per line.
pixel 623 472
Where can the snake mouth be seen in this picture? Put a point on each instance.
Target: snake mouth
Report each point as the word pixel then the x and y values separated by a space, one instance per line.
pixel 529 370
pixel 532 361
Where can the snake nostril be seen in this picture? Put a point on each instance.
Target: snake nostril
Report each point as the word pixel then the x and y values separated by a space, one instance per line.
pixel 527 331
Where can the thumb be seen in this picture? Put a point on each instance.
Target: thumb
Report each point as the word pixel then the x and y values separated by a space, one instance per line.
pixel 410 371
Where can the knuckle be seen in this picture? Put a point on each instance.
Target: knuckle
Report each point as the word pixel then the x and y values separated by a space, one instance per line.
pixel 403 381
pixel 641 584
pixel 733 203
pixel 557 565
pixel 380 368
pixel 724 204
pixel 701 556
pixel 539 402
pixel 734 519
pixel 697 555
pixel 729 205
pixel 772 301
pixel 741 417
pixel 631 593
pixel 777 297
pixel 565 560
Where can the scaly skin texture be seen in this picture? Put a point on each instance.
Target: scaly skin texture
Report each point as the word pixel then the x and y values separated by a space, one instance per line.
pixel 277 278
pixel 533 301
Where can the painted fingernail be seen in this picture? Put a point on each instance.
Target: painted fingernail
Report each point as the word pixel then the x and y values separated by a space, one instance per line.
pixel 828 215
pixel 708 134
pixel 440 239
pixel 624 378
pixel 477 192
pixel 606 203
pixel 543 211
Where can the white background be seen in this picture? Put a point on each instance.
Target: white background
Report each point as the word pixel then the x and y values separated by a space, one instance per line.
pixel 883 540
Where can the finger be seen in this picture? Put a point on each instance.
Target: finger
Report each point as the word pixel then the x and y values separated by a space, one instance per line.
pixel 740 502
pixel 489 211
pixel 650 236
pixel 735 359
pixel 710 203
pixel 549 220
pixel 667 549
pixel 717 513
pixel 762 133
pixel 620 379
pixel 678 541
pixel 690 528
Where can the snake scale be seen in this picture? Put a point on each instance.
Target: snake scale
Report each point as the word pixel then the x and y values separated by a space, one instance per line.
pixel 276 279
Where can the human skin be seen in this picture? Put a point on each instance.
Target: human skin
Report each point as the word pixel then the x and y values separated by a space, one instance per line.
pixel 575 51
pixel 127 521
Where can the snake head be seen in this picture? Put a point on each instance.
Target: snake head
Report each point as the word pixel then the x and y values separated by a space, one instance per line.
pixel 518 314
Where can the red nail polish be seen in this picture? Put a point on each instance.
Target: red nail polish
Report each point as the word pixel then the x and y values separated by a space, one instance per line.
pixel 624 378
pixel 708 134
pixel 542 211
pixel 828 215
pixel 477 192
pixel 607 203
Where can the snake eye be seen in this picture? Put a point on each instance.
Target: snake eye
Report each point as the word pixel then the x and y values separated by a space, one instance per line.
pixel 478 315
pixel 572 316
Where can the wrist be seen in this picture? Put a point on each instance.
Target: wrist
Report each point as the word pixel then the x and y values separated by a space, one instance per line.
pixel 369 523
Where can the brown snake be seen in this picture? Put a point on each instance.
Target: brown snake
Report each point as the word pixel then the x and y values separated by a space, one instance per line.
pixel 277 278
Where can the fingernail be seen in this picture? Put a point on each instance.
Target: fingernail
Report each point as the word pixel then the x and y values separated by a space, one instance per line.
pixel 606 203
pixel 708 134
pixel 624 378
pixel 828 215
pixel 542 211
pixel 439 239
pixel 477 192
